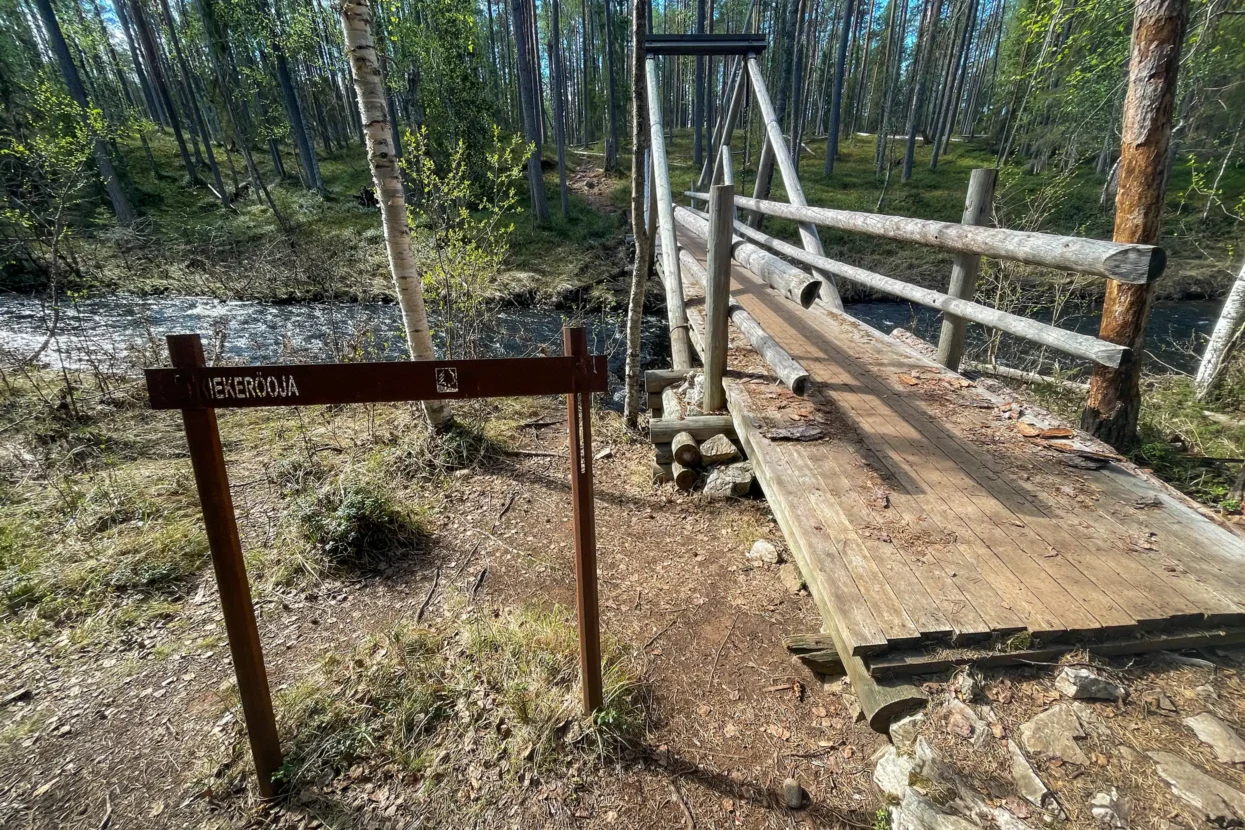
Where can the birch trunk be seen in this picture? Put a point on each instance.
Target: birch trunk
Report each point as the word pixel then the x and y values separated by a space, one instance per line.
pixel 1223 337
pixel 356 17
pixel 640 170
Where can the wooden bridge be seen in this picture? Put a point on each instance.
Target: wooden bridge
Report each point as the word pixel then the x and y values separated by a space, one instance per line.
pixel 937 520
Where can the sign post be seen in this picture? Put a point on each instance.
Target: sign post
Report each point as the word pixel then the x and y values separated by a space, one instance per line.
pixel 199 390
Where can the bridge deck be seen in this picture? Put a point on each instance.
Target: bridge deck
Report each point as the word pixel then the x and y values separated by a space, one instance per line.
pixel 921 515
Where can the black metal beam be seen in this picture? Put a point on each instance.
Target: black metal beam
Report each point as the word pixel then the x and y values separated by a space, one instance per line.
pixel 731 44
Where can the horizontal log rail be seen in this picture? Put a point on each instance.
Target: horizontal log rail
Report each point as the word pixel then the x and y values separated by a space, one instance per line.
pixel 1068 342
pixel 1113 260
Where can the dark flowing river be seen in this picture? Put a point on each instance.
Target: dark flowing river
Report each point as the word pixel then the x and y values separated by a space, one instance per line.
pixel 121 331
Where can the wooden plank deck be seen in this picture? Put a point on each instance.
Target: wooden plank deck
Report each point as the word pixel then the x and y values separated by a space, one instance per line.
pixel 922 517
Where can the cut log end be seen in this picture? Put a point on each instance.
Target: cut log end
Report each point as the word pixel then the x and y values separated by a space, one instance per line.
pixel 684 477
pixel 685 450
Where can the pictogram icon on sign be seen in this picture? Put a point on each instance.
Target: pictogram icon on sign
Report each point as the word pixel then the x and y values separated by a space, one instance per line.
pixel 447 379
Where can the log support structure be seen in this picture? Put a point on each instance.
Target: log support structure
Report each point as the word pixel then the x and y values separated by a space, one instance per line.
pixel 977 206
pixel 717 293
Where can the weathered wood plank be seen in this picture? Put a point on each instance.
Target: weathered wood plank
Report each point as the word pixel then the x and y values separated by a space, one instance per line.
pixel 839 600
pixel 1078 603
pixel 700 427
pixel 910 664
pixel 871 582
pixel 1114 260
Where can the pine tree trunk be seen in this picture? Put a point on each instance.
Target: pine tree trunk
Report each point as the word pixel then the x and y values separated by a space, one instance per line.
pixel 356 18
pixel 294 109
pixel 112 184
pixel 698 93
pixel 611 142
pixel 152 53
pixel 926 46
pixel 1226 333
pixel 639 228
pixel 558 78
pixel 530 108
pixel 1114 402
pixel 222 194
pixel 836 94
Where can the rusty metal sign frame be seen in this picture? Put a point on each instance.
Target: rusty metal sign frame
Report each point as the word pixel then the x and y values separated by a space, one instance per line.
pixel 199 390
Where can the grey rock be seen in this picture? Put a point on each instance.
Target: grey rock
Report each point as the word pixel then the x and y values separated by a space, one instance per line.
pixel 904 732
pixel 1228 746
pixel 893 773
pixel 1217 802
pixel 791 578
pixel 916 812
pixel 764 553
pixel 693 389
pixel 966 685
pixel 729 480
pixel 1029 784
pixel 1054 734
pixel 1206 691
pixel 1087 684
pixel 718 450
pixel 1110 809
pixel 963 722
pixel 792 794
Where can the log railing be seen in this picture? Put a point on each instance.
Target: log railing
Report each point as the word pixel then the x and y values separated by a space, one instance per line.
pixel 969 241
pixel 1068 342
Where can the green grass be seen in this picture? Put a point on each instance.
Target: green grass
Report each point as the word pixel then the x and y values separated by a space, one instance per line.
pixel 492 691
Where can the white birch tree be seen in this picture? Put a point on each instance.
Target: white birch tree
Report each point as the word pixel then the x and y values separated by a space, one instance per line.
pixel 356 18
pixel 1226 332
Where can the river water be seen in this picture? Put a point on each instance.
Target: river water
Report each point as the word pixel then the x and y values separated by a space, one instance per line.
pixel 123 331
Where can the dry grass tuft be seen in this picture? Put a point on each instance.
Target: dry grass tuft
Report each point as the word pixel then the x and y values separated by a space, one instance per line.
pixel 486 705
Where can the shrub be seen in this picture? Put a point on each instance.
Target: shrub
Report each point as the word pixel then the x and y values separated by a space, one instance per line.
pixel 357 525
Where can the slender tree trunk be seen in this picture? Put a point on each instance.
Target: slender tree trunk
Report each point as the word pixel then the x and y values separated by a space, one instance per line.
pixel 356 18
pixel 558 79
pixel 298 125
pixel 611 142
pixel 836 94
pixel 152 53
pixel 639 228
pixel 153 107
pixel 112 184
pixel 1227 332
pixel 530 108
pixel 879 156
pixel 926 46
pixel 1158 32
pixel 222 194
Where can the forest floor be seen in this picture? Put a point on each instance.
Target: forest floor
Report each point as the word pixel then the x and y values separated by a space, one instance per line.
pixel 427 676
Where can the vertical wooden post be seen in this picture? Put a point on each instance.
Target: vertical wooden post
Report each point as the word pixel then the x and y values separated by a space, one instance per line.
pixel 965 266
pixel 717 292
pixel 208 461
pixel 680 339
pixel 1158 31
pixel 579 426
